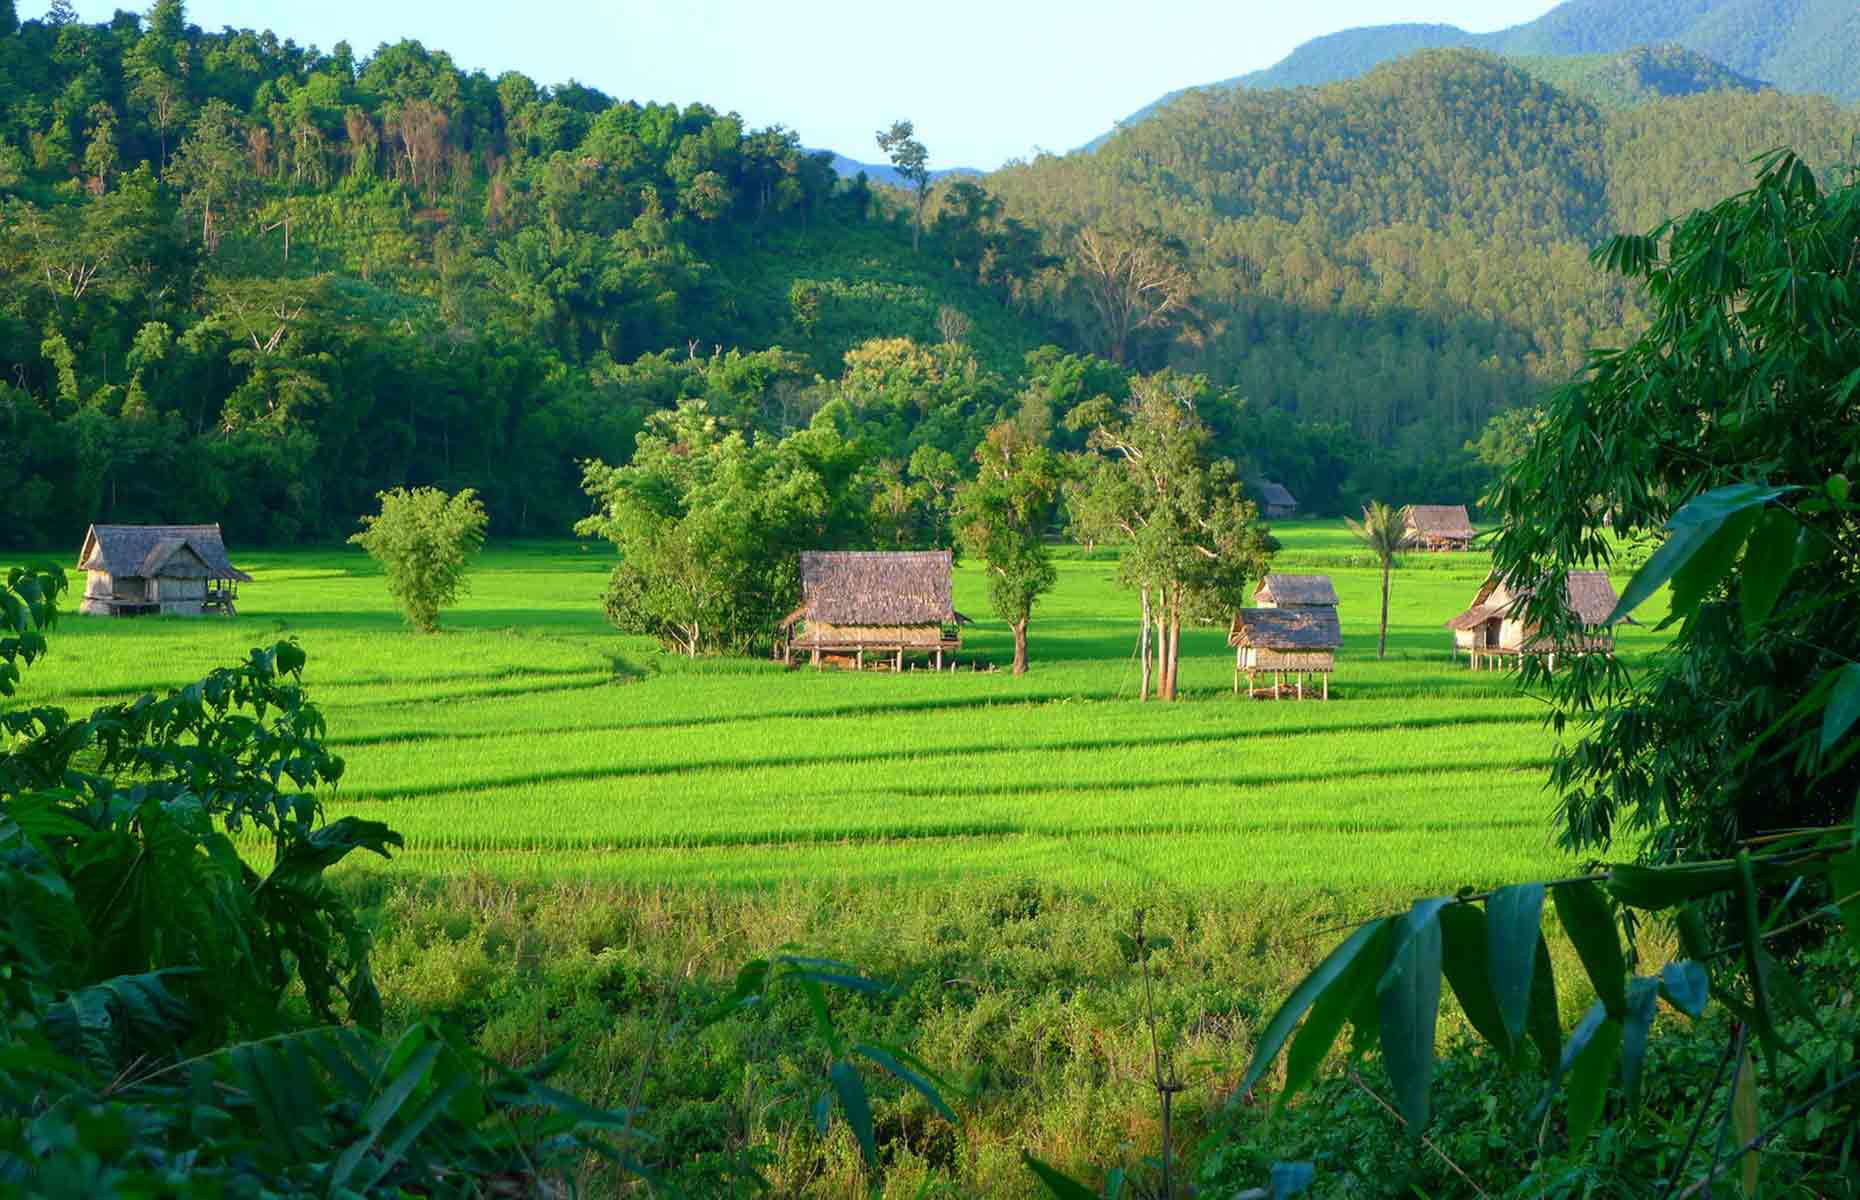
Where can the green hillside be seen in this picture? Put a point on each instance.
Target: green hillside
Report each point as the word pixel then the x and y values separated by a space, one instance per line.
pixel 1806 47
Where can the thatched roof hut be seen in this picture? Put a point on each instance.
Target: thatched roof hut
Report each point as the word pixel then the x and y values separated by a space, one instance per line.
pixel 1295 591
pixel 1439 527
pixel 1278 500
pixel 1295 631
pixel 884 601
pixel 177 569
pixel 1496 626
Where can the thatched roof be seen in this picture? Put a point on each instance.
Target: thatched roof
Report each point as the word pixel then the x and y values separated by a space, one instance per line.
pixel 875 587
pixel 141 551
pixel 1439 520
pixel 1588 594
pixel 1286 629
pixel 1276 495
pixel 1286 591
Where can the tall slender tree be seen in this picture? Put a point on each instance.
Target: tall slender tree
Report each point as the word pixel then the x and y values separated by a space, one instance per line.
pixel 912 162
pixel 1382 530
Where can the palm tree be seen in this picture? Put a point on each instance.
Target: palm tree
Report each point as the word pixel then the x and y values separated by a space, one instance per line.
pixel 1382 529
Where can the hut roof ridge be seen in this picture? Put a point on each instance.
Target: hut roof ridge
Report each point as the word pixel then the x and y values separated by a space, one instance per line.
pixel 1297 590
pixel 1440 520
pixel 1277 493
pixel 127 549
pixel 1287 629
pixel 876 587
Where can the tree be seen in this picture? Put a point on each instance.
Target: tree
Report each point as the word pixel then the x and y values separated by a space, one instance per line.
pixel 423 540
pixel 1131 282
pixel 1192 540
pixel 212 170
pixel 1382 531
pixel 1001 519
pixel 912 162
pixel 9 18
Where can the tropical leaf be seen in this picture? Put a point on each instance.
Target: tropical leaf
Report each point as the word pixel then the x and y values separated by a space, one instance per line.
pixel 1591 927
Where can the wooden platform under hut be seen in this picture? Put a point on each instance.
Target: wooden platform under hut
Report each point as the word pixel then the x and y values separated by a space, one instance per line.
pixel 1495 632
pixel 874 605
pixel 178 570
pixel 1439 527
pixel 1279 501
pixel 1293 633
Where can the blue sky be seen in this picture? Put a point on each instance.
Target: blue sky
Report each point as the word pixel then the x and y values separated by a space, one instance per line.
pixel 985 80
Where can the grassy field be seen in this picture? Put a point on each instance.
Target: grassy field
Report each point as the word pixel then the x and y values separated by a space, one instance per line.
pixel 599 834
pixel 530 739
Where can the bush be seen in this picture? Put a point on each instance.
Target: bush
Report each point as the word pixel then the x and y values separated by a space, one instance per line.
pixel 423 540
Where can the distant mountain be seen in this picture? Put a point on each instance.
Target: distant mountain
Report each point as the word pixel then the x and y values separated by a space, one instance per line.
pixel 885 173
pixel 1618 81
pixel 1807 47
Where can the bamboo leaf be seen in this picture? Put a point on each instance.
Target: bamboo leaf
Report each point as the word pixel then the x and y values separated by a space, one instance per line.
pixel 1656 888
pixel 1591 927
pixel 1514 927
pixel 855 1106
pixel 1055 1181
pixel 1643 1001
pixel 1465 960
pixel 1768 560
pixel 1332 1007
pixel 1691 530
pixel 1590 1061
pixel 1711 564
pixel 1843 706
pixel 1302 997
pixel 1545 1027
pixel 1844 878
pixel 1409 1010
pixel 1686 986
pixel 1744 1118
pixel 919 1077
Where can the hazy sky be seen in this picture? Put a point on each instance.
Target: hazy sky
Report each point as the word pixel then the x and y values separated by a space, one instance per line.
pixel 985 80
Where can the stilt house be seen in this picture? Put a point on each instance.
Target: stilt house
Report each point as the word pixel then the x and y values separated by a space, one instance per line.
pixel 1292 630
pixel 874 602
pixel 1279 500
pixel 1438 527
pixel 1496 629
pixel 173 569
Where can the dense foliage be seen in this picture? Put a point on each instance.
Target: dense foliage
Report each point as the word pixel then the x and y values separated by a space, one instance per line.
pixel 424 540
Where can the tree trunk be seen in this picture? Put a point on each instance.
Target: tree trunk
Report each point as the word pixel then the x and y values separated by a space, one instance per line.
pixel 1020 646
pixel 1175 646
pixel 1143 648
pixel 1382 640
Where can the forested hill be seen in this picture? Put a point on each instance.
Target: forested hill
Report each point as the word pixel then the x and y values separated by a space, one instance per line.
pixel 1806 47
pixel 1406 253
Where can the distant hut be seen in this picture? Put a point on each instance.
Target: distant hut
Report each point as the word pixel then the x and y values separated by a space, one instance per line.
pixel 861 602
pixel 173 569
pixel 1292 631
pixel 1438 527
pixel 1279 501
pixel 1495 628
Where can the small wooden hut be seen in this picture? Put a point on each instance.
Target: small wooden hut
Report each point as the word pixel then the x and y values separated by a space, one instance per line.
pixel 172 569
pixel 1438 527
pixel 1293 630
pixel 1279 500
pixel 860 602
pixel 1495 630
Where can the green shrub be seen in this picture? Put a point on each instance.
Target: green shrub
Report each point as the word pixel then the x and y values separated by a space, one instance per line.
pixel 424 540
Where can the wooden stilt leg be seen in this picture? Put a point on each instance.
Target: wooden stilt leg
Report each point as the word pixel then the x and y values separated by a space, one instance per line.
pixel 900 659
pixel 860 660
pixel 1301 685
pixel 816 658
pixel 1327 685
pixel 939 658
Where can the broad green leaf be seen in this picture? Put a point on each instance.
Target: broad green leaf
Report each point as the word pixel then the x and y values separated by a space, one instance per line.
pixel 1590 1062
pixel 855 1106
pixel 1514 927
pixel 1643 1001
pixel 1843 706
pixel 1756 965
pixel 1656 888
pixel 917 1075
pixel 1691 530
pixel 1409 1010
pixel 751 978
pixel 1845 880
pixel 1333 1007
pixel 1465 961
pixel 1711 564
pixel 1673 555
pixel 1686 986
pixel 1591 927
pixel 1545 1024
pixel 1057 1182
pixel 823 1016
pixel 1769 557
pixel 1302 997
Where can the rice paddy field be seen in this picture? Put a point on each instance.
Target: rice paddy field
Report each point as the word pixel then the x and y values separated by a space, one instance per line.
pixel 531 740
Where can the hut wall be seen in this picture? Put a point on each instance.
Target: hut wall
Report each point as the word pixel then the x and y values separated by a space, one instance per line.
pixel 180 597
pixel 1255 658
pixel 99 586
pixel 822 633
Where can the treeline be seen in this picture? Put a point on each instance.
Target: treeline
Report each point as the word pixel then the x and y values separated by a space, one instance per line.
pixel 1405 254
